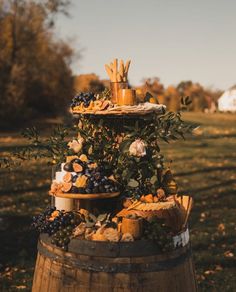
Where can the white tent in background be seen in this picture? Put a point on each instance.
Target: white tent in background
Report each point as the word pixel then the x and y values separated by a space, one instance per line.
pixel 227 101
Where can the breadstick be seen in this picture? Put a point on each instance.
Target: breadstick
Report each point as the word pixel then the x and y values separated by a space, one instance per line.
pixel 119 79
pixel 127 67
pixel 115 70
pixel 135 204
pixel 112 69
pixel 126 70
pixel 109 71
pixel 122 69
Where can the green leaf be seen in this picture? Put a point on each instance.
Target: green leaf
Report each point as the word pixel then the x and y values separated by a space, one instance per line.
pixel 165 139
pixel 188 101
pixel 124 145
pixel 153 179
pixel 102 217
pixel 92 217
pixel 133 183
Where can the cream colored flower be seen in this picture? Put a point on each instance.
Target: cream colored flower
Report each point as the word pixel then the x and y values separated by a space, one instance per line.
pixel 137 148
pixel 76 145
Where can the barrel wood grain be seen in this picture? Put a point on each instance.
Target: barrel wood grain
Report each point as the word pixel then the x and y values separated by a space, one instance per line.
pixel 59 271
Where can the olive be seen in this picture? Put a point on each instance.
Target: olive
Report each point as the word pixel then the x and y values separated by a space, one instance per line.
pixel 96 190
pixel 66 240
pixel 61 234
pixel 60 242
pixel 88 191
pixel 53 241
pixel 64 247
pixel 90 185
pixel 74 178
pixel 68 233
pixel 81 191
pixel 68 167
pixel 101 189
pixel 69 228
pixel 71 215
pixel 77 221
pixel 74 190
pixel 87 173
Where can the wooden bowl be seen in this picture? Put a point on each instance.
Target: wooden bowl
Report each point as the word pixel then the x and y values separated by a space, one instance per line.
pixel 126 97
pixel 134 226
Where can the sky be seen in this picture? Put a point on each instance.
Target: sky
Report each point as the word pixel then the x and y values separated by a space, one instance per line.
pixel 174 40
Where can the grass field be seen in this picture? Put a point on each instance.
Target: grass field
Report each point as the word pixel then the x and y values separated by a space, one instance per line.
pixel 205 167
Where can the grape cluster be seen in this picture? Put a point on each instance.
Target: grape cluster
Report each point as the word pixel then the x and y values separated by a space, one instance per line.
pixel 99 183
pixel 60 227
pixel 85 97
pixel 41 222
pixel 158 232
pixel 67 223
pixel 62 237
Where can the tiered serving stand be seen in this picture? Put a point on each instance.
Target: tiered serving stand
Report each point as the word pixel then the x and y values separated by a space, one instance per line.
pixel 113 266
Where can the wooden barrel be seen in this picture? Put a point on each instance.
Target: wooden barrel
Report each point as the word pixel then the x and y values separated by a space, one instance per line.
pixel 90 266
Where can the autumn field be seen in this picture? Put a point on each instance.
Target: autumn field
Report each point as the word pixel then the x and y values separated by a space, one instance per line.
pixel 204 166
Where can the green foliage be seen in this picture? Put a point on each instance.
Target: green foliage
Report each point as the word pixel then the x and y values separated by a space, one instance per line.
pixel 92 220
pixel 160 233
pixel 54 148
pixel 107 142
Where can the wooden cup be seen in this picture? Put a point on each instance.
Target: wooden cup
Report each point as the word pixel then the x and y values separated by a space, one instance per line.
pixel 134 226
pixel 126 97
pixel 115 87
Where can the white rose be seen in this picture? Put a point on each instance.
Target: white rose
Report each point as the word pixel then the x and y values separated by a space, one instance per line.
pixel 76 145
pixel 137 148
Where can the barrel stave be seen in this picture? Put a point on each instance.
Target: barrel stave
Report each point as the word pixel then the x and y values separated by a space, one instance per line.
pixel 57 270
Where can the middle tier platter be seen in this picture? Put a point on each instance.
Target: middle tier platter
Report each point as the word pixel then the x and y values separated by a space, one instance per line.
pixel 86 196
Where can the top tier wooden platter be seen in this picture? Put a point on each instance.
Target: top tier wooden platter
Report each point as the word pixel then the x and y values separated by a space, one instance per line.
pixel 141 109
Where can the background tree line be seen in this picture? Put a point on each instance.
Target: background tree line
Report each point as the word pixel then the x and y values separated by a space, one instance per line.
pixel 35 75
pixel 202 98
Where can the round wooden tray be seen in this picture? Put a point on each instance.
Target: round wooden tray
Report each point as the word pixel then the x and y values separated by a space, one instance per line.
pixel 113 113
pixel 86 196
pixel 134 110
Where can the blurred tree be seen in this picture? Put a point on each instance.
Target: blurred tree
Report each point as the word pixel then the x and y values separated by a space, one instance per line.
pixel 96 86
pixel 155 85
pixel 172 98
pixel 35 75
pixel 196 92
pixel 202 98
pixel 89 82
